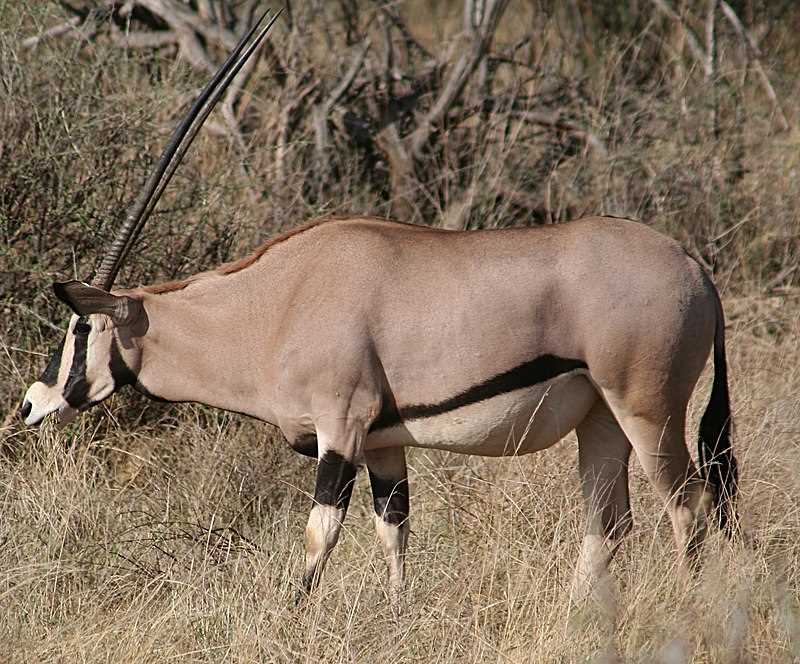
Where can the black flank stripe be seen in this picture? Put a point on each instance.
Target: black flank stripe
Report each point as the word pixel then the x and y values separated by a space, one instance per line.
pixel 335 478
pixel 540 370
pixel 76 389
pixel 50 374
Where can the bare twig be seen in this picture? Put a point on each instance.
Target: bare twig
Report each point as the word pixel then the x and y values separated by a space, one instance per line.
pixel 388 56
pixel 231 97
pixel 347 80
pixel 711 63
pixel 398 23
pixel 755 53
pixel 519 198
pixel 286 119
pixel 459 75
pixel 555 122
pixel 457 213
pixel 182 19
pixel 666 8
pixel 56 31
pixel 83 24
pixel 193 51
pixel 324 108
pixel 401 172
pixel 142 39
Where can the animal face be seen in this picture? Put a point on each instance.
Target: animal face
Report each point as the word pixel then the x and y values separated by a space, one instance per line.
pixel 96 357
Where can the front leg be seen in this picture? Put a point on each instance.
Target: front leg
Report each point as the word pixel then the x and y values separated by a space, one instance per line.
pixel 389 481
pixel 336 475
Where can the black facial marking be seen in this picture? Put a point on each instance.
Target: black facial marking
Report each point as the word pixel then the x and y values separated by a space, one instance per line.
pixel 76 389
pixel 540 370
pixel 335 478
pixel 306 444
pixel 50 374
pixel 389 498
pixel 120 372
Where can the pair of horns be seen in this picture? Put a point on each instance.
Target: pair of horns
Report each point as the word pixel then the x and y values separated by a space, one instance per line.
pixel 169 160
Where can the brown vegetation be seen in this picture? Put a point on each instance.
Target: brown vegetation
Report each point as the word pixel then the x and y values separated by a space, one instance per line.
pixel 151 532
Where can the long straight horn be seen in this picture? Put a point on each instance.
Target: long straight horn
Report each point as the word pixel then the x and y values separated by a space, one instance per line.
pixel 179 142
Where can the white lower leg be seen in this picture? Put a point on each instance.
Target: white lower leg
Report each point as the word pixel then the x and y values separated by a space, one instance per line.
pixel 322 533
pixel 591 579
pixel 689 515
pixel 393 540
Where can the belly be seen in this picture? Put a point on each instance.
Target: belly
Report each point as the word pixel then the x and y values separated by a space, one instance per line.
pixel 517 422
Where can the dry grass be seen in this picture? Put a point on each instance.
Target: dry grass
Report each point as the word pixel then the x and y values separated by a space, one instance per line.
pixel 181 539
pixel 152 533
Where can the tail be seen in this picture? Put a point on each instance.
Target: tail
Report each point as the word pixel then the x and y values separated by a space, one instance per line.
pixel 717 462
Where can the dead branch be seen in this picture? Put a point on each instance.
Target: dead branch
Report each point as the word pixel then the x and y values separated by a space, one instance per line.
pixel 751 47
pixel 410 42
pixel 287 118
pixel 182 19
pixel 666 8
pixel 704 57
pixel 456 215
pixel 56 31
pixel 83 24
pixel 193 51
pixel 388 56
pixel 403 182
pixel 459 75
pixel 711 63
pixel 142 39
pixel 519 198
pixel 553 121
pixel 347 80
pixel 324 108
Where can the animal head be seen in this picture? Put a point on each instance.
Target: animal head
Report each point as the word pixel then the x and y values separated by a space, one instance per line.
pixel 97 356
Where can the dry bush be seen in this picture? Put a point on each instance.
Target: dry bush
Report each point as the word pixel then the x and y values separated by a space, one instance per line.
pixel 150 532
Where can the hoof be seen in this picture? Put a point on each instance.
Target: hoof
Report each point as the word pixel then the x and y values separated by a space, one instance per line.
pixel 300 597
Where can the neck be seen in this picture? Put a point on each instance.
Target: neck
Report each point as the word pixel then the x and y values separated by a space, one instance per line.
pixel 204 345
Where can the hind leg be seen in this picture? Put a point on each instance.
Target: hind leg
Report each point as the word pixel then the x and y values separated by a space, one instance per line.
pixel 389 481
pixel 603 454
pixel 659 438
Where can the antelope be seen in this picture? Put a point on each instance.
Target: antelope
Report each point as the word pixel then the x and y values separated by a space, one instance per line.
pixel 358 337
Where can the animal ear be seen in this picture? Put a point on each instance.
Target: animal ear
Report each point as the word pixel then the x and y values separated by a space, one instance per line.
pixel 84 300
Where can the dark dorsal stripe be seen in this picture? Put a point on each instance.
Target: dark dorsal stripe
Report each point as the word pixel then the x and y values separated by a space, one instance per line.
pixel 540 370
pixel 76 390
pixel 50 374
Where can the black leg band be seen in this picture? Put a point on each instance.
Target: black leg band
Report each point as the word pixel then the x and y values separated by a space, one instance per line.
pixel 390 498
pixel 335 478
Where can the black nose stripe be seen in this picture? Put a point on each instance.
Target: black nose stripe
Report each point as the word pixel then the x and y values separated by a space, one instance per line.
pixel 25 410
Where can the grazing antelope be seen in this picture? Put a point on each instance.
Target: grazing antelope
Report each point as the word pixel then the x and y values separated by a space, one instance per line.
pixel 358 337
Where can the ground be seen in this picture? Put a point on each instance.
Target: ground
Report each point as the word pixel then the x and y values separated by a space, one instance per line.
pixel 179 537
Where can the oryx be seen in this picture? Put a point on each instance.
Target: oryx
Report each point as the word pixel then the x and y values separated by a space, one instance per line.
pixel 358 337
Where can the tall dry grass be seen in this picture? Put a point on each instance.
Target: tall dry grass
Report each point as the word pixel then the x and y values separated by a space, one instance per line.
pixel 180 538
pixel 147 532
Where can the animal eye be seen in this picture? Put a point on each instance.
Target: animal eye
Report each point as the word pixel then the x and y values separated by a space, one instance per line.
pixel 82 328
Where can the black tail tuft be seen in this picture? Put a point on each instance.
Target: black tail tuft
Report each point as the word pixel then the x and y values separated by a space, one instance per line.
pixel 717 462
